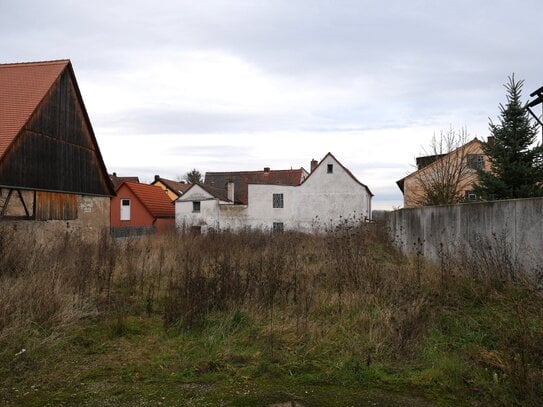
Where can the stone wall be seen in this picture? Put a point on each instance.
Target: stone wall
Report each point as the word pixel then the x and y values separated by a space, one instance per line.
pixel 511 228
pixel 92 220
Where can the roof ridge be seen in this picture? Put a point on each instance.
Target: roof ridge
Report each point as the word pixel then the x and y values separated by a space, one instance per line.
pixel 253 171
pixel 51 62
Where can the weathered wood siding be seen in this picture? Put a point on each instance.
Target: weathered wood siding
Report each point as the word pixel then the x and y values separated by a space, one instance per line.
pixel 55 150
pixel 54 206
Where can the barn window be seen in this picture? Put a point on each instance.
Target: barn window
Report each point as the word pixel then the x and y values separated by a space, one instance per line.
pixel 277 200
pixel 330 168
pixel 125 209
pixel 196 206
pixel 278 226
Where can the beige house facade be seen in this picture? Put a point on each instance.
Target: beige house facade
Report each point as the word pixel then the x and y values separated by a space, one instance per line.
pixel 457 169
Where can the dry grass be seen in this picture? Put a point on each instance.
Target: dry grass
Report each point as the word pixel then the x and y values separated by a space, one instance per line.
pixel 347 291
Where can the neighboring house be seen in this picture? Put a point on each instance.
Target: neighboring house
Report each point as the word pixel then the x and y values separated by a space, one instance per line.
pixel 174 189
pixel 469 157
pixel 139 209
pixel 276 200
pixel 51 168
pixel 119 180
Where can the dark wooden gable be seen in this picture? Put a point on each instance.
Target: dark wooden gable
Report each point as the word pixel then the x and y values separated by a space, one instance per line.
pixel 56 149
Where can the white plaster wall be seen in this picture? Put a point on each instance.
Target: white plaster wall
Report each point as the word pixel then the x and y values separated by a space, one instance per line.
pixel 262 214
pixel 207 218
pixel 233 217
pixel 325 200
pixel 322 201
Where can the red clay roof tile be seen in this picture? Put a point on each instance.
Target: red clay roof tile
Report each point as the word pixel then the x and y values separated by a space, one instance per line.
pixel 22 87
pixel 153 198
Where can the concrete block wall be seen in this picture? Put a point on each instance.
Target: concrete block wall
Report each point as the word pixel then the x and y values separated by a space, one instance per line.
pixel 511 226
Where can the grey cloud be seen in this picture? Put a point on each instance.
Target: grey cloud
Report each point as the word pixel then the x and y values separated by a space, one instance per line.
pixel 210 151
pixel 172 121
pixel 416 63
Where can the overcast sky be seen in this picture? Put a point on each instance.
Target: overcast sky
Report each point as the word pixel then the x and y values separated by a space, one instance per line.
pixel 240 85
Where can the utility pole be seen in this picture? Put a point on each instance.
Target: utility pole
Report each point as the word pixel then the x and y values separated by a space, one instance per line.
pixel 538 100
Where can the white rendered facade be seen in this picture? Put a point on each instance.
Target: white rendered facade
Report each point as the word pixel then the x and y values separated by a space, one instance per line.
pixel 328 196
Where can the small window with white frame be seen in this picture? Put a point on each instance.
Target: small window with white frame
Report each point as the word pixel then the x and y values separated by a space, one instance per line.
pixel 196 206
pixel 125 209
pixel 278 201
pixel 330 169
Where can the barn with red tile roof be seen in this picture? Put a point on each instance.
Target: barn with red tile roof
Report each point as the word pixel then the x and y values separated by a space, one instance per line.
pixel 50 165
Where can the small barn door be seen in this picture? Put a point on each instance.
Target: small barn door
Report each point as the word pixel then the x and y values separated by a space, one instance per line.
pixel 125 209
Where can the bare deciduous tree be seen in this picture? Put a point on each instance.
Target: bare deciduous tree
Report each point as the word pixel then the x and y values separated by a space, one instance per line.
pixel 443 169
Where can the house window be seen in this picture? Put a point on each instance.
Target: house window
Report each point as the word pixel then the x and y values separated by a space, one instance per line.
pixel 330 168
pixel 277 200
pixel 476 161
pixel 196 206
pixel 125 209
pixel 278 226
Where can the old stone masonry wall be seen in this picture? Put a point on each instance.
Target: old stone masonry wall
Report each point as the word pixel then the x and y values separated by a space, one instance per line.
pixel 509 233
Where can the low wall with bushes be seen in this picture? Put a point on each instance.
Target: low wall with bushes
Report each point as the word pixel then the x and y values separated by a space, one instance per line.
pixel 506 234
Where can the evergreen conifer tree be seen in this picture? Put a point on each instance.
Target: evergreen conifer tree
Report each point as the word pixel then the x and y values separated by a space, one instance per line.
pixel 516 167
pixel 193 177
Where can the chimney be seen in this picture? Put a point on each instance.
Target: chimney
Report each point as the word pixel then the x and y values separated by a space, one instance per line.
pixel 490 141
pixel 266 169
pixel 230 191
pixel 157 177
pixel 313 164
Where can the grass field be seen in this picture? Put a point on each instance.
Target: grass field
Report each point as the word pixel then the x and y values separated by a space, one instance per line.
pixel 253 319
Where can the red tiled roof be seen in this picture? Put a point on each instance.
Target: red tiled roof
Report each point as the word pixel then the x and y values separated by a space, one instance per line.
pixel 242 179
pixel 153 198
pixel 22 87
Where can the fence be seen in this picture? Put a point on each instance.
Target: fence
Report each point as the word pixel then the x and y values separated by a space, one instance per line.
pixel 513 228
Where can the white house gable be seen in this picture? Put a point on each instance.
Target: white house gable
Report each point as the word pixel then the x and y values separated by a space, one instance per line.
pixel 195 193
pixel 329 195
pixel 197 209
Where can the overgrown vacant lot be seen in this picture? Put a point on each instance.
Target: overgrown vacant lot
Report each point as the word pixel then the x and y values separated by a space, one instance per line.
pixel 253 319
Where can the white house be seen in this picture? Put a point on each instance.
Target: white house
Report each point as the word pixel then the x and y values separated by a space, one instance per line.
pixel 276 199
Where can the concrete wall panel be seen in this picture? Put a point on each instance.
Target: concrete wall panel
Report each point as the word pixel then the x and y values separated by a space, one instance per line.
pixel 512 227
